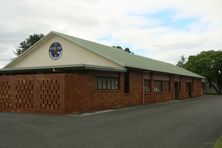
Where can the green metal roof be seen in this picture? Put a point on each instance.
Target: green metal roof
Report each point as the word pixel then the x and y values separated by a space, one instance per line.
pixel 126 59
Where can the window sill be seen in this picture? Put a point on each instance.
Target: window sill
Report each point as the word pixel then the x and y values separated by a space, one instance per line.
pixel 157 93
pixel 107 90
pixel 160 93
pixel 150 93
pixel 166 92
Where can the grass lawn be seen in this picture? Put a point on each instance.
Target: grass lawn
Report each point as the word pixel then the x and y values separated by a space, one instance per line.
pixel 218 143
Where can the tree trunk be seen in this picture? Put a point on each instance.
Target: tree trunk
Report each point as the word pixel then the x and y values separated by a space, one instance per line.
pixel 217 90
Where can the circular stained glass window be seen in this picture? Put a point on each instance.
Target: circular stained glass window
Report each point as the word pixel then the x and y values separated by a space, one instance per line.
pixel 55 51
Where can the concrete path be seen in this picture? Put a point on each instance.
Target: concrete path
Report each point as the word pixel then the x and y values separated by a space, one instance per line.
pixel 194 123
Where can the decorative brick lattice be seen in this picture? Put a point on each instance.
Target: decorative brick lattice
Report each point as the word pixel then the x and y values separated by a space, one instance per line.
pixel 4 94
pixel 24 94
pixel 49 95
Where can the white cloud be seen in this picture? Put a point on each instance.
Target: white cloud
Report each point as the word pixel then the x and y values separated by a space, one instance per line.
pixel 114 22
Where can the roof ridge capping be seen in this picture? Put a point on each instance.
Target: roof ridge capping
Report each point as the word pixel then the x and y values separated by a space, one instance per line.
pixel 58 33
pixel 126 59
pixel 113 48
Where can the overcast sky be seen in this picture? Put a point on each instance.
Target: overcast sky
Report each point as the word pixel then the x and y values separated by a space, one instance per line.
pixel 158 29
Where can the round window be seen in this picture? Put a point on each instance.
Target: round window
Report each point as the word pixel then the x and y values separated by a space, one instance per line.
pixel 55 51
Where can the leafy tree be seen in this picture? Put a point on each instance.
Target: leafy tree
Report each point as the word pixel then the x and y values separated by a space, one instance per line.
pixel 24 45
pixel 126 49
pixel 209 65
pixel 181 61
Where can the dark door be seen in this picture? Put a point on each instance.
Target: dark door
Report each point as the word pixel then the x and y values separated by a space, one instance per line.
pixel 176 90
pixel 189 89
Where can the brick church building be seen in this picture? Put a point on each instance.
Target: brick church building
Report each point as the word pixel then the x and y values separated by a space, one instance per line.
pixel 65 74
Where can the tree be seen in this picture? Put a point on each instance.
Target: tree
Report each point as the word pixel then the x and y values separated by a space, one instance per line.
pixel 181 61
pixel 24 45
pixel 126 49
pixel 209 65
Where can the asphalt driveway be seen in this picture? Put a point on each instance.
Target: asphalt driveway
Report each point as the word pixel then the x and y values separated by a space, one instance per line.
pixel 194 123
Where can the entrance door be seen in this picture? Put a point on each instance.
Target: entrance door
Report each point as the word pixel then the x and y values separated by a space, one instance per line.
pixel 176 90
pixel 189 89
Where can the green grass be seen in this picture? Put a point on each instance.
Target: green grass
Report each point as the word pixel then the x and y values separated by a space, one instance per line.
pixel 218 143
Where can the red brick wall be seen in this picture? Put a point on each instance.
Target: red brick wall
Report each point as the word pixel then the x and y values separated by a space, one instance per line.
pixel 82 96
pixel 197 88
pixel 85 97
pixel 183 94
pixel 32 93
pixel 77 95
pixel 153 97
pixel 76 92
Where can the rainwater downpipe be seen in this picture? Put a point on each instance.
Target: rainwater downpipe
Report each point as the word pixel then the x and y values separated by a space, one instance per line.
pixel 143 90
